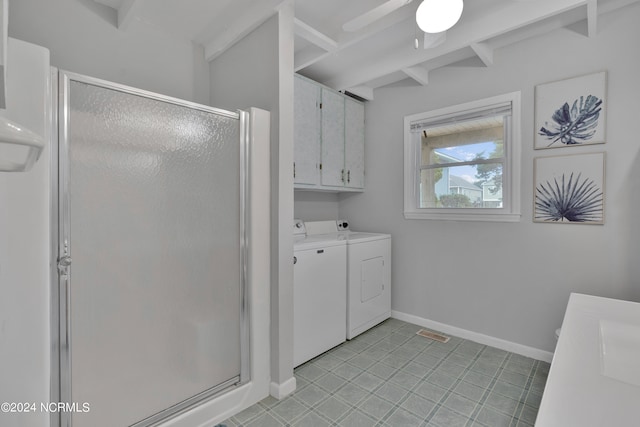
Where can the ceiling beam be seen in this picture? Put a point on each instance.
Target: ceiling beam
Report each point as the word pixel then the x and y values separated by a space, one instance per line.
pixel 307 57
pixel 374 14
pixel 362 91
pixel 429 41
pixel 314 36
pixel 127 13
pixel 240 27
pixel 418 74
pixel 484 52
pixel 347 39
pixel 592 18
pixel 492 24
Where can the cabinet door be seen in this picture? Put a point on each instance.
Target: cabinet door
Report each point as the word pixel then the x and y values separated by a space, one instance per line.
pixel 354 143
pixel 333 173
pixel 306 128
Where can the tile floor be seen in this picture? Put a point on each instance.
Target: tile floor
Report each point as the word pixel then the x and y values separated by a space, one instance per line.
pixel 390 377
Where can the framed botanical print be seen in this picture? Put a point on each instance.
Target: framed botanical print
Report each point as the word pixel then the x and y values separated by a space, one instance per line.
pixel 571 112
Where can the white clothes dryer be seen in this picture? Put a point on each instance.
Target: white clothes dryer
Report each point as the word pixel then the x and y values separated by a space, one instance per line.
pixel 368 281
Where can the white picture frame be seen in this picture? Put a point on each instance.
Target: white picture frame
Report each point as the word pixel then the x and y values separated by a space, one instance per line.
pixel 571 112
pixel 569 189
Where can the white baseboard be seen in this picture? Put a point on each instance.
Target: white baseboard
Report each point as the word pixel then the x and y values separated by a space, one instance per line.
pixel 512 347
pixel 284 389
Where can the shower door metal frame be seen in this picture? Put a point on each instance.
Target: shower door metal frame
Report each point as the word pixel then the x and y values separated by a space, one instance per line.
pixel 60 389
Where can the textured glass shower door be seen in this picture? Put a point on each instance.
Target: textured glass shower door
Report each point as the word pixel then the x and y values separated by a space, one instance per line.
pixel 151 213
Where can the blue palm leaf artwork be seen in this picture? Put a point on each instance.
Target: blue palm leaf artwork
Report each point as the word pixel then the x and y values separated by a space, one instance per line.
pixel 572 198
pixel 573 125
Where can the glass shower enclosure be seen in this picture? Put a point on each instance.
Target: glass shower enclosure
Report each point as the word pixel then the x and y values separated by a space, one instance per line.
pixel 151 253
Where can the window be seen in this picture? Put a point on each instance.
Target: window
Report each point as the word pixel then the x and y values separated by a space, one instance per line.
pixel 463 162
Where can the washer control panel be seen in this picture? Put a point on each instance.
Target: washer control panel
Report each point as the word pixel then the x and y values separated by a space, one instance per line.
pixel 342 225
pixel 298 228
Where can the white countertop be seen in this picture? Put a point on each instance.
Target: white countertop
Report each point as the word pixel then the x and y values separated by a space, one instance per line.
pixel 595 373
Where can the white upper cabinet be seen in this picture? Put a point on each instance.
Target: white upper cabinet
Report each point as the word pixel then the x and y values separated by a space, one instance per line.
pixel 306 128
pixel 329 139
pixel 332 139
pixel 354 143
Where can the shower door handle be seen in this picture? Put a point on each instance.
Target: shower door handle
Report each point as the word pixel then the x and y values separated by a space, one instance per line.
pixel 63 263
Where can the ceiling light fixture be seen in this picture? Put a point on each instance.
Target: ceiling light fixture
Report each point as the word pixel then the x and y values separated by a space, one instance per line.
pixel 435 16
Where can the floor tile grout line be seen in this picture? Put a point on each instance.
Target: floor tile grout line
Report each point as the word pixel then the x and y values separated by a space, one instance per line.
pixel 514 416
pixel 355 406
pixel 386 381
pixel 433 369
pixel 306 411
pixel 527 390
pixel 314 407
pixel 448 392
pixel 489 389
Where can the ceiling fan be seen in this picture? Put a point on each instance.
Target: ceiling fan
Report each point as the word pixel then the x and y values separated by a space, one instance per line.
pixel 433 16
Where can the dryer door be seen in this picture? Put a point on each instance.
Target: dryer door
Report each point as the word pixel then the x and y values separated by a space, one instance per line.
pixel 369 300
pixel 371 278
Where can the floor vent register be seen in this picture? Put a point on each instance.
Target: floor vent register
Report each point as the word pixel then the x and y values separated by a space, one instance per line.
pixel 432 335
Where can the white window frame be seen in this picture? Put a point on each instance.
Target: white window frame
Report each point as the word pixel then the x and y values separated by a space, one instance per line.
pixel 510 212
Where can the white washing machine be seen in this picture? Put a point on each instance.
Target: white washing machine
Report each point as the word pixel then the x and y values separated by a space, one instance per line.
pixel 319 293
pixel 368 273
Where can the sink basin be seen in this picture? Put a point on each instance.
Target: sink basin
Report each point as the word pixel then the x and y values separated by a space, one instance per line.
pixel 620 351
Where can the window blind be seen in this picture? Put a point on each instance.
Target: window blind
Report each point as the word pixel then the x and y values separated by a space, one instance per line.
pixel 503 109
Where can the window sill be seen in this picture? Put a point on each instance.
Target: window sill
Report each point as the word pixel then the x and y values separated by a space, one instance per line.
pixel 471 216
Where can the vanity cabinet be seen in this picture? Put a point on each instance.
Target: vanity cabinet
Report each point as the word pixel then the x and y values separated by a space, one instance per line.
pixel 328 139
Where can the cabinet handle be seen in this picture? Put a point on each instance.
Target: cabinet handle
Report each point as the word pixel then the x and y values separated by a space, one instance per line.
pixel 294 169
pixel 349 176
pixel 342 175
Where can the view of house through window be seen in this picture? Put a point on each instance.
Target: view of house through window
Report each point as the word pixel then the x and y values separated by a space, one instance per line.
pixel 461 164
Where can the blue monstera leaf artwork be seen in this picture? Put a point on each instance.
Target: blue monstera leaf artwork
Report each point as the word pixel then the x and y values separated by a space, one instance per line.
pixel 573 124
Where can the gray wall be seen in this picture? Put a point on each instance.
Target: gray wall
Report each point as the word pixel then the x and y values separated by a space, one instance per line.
pixel 511 281
pixel 315 206
pixel 258 72
pixel 83 37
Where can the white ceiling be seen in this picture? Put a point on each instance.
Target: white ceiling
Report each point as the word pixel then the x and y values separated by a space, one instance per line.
pixel 378 54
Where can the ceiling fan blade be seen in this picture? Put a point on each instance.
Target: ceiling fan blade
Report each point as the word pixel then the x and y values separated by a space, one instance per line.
pixel 374 14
